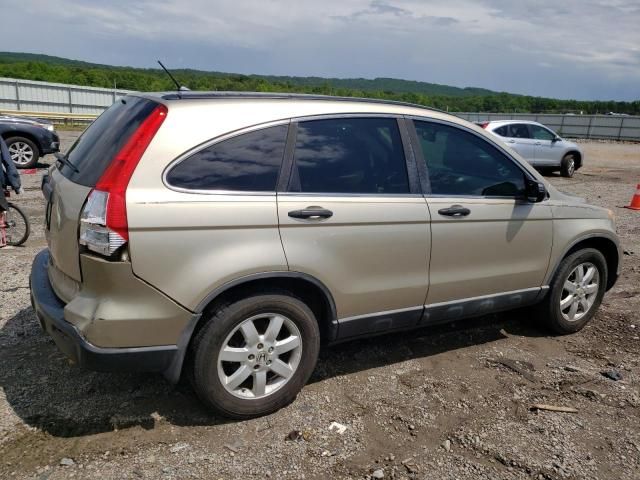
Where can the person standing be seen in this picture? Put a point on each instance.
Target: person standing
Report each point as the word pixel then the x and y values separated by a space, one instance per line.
pixel 9 177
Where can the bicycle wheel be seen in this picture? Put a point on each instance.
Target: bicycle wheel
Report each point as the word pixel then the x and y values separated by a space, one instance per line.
pixel 17 226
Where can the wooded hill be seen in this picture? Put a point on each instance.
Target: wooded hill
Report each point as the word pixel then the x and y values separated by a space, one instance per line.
pixel 61 70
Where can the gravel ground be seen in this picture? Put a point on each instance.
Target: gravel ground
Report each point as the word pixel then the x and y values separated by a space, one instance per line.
pixel 450 402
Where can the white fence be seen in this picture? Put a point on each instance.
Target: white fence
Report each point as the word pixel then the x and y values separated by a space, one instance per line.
pixel 606 127
pixel 63 102
pixel 31 96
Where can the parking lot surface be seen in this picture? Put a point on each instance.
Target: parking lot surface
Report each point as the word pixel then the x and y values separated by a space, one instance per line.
pixel 451 402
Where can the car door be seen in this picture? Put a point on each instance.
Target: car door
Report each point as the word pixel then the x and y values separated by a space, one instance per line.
pixel 519 138
pixel 490 247
pixel 353 217
pixel 548 151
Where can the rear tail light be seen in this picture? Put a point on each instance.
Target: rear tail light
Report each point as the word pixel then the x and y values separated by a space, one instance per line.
pixel 484 124
pixel 103 224
pixel 94 233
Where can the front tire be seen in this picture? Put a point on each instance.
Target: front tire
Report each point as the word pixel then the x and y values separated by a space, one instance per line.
pixel 23 152
pixel 568 165
pixel 253 356
pixel 576 291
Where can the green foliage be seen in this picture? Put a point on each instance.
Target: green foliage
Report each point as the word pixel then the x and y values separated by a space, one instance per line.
pixel 62 70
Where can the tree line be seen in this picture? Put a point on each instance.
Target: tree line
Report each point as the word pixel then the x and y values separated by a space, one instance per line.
pixel 42 68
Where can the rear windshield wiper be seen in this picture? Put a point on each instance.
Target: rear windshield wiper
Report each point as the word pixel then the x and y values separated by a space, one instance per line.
pixel 62 158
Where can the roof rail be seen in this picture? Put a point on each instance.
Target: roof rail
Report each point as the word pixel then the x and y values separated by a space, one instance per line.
pixel 285 96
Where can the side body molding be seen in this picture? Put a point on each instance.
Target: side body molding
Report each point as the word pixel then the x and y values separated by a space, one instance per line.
pixel 436 313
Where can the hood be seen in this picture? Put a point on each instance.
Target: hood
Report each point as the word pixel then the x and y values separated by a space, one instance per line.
pixel 572 144
pixel 566 197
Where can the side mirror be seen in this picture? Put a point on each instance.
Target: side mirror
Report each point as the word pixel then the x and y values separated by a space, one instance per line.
pixel 536 191
pixel 555 139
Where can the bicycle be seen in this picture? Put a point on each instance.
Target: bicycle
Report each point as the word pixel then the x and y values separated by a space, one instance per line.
pixel 16 224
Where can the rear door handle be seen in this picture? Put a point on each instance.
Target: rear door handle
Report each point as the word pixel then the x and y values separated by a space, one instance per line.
pixel 455 211
pixel 311 213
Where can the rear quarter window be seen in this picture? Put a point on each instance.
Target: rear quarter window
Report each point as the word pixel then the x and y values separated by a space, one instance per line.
pixel 249 162
pixel 502 131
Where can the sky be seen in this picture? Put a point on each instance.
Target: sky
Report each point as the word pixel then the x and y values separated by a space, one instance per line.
pixel 578 49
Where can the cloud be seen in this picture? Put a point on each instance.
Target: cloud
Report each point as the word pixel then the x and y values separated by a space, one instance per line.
pixel 380 7
pixel 580 48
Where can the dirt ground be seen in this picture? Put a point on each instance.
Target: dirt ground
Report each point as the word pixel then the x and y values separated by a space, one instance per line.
pixel 440 403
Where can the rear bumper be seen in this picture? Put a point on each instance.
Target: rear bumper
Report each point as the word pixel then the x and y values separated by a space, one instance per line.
pixel 50 312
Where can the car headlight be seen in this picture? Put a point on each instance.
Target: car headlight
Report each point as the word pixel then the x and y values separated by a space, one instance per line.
pixel 48 126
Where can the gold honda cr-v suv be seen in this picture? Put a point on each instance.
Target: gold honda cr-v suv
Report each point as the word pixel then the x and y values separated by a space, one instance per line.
pixel 231 234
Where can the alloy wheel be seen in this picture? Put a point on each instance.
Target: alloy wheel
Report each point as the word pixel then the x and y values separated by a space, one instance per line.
pixel 579 291
pixel 259 356
pixel 21 153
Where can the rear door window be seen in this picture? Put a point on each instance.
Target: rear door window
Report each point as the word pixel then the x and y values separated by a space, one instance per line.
pixel 351 156
pixel 249 162
pixel 93 151
pixel 519 130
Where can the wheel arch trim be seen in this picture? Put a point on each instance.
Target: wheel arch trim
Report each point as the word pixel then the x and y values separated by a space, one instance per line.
pixel 600 235
pixel 216 292
pixel 8 134
pixel 173 372
pixel 577 153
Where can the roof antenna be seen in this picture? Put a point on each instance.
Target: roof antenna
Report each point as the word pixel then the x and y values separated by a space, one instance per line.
pixel 180 88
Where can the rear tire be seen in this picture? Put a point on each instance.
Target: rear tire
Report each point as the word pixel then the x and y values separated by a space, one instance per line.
pixel 568 165
pixel 270 343
pixel 24 152
pixel 575 292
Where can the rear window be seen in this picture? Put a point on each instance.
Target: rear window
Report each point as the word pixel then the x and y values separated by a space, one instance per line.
pixel 93 151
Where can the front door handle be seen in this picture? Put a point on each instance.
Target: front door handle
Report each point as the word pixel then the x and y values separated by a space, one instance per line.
pixel 511 141
pixel 311 213
pixel 455 211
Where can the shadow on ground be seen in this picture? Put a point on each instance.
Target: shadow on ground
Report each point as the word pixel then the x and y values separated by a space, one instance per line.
pixel 46 392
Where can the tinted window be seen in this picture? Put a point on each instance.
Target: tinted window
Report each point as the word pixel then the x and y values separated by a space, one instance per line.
pixel 502 131
pixel 540 133
pixel 249 163
pixel 350 155
pixel 93 151
pixel 518 130
pixel 461 163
